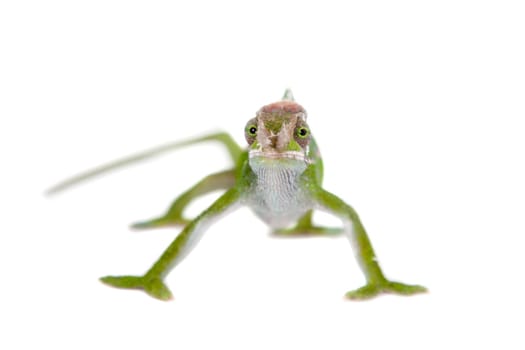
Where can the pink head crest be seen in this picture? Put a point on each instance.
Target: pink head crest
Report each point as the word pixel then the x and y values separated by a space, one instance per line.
pixel 283 107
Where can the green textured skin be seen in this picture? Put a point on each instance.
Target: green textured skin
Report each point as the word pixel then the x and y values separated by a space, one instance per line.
pixel 241 188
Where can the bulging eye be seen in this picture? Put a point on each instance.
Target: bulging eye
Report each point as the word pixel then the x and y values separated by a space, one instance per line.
pixel 302 135
pixel 250 131
pixel 302 132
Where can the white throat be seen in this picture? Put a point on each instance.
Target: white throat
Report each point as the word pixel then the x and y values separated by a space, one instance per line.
pixel 276 195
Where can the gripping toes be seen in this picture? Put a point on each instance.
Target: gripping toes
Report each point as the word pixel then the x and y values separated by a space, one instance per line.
pixel 371 290
pixel 309 231
pixel 153 286
pixel 159 223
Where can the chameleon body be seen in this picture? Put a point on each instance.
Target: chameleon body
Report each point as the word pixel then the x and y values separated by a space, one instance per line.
pixel 279 176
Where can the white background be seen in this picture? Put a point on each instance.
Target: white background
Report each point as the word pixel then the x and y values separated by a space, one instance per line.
pixel 418 109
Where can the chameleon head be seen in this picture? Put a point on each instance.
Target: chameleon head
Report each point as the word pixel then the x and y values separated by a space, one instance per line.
pixel 278 136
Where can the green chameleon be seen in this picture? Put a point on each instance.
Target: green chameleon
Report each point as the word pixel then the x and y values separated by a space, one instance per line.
pixel 279 177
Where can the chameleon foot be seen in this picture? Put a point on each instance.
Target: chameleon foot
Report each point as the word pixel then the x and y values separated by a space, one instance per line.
pixel 153 286
pixel 371 290
pixel 159 222
pixel 307 231
pixel 305 228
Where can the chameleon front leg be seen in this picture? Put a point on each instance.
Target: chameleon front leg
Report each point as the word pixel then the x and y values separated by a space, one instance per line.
pixel 306 228
pixel 376 282
pixel 174 215
pixel 152 281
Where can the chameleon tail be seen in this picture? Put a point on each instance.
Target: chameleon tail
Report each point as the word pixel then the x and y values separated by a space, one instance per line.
pixel 233 149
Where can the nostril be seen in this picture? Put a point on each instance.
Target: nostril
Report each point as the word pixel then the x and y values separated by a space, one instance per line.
pixel 273 140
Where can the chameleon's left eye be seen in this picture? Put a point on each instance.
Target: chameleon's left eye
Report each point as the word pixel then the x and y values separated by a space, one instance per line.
pixel 302 132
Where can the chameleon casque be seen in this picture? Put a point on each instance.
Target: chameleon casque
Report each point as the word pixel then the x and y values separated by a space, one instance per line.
pixel 279 176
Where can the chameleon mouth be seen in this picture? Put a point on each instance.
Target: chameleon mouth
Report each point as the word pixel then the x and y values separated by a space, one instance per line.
pixel 295 155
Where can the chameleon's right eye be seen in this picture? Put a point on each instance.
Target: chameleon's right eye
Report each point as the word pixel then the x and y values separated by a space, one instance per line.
pixel 250 131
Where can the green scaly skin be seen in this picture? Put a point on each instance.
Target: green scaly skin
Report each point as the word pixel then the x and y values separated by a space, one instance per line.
pixel 277 150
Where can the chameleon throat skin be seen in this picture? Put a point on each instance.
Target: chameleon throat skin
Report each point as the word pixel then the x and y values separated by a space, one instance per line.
pixel 276 195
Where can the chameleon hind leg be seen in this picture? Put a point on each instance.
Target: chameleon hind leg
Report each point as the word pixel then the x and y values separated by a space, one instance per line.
pixel 306 228
pixel 175 214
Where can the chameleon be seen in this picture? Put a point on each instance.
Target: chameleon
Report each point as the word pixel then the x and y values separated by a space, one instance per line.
pixel 279 176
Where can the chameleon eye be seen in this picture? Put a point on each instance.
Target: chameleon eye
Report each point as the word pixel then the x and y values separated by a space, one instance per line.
pixel 302 132
pixel 302 135
pixel 250 131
